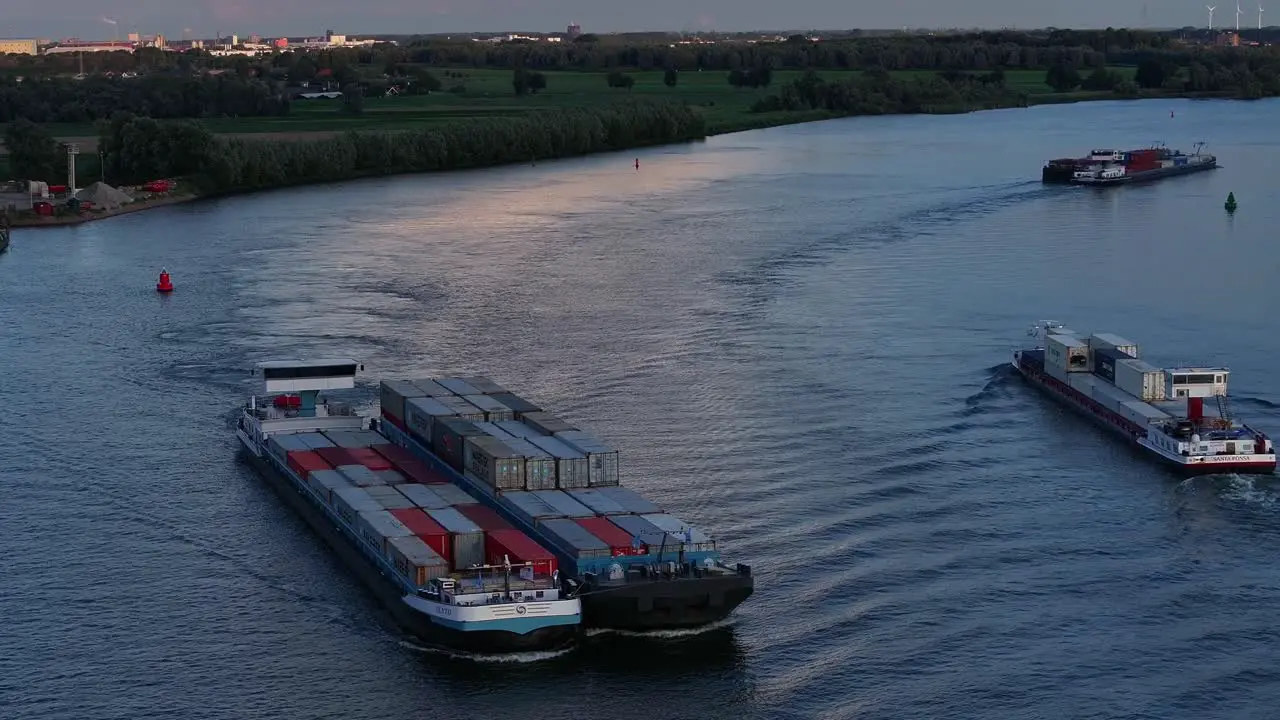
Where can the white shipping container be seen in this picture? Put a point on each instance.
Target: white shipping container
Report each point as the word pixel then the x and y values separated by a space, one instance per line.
pixel 390 498
pixel 1110 396
pixel 423 496
pixel 1140 379
pixel 414 559
pixel 360 476
pixel 1107 341
pixel 1056 372
pixel 324 482
pixel 1142 413
pixel 376 526
pixel 1067 351
pixel 349 502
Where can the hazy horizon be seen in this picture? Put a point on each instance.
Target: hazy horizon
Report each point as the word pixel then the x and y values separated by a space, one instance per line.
pixel 89 19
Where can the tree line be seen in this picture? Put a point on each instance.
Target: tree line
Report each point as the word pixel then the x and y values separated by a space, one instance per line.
pixel 138 149
pixel 876 92
pixel 64 100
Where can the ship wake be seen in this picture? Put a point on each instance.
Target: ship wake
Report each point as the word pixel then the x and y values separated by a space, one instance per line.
pixel 496 658
pixel 672 634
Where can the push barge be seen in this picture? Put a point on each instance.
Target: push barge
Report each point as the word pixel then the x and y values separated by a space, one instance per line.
pixel 633 566
pixel 1120 167
pixel 1162 411
pixel 442 564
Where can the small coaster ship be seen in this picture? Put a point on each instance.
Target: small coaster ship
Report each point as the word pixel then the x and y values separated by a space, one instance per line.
pixel 433 556
pixel 1120 167
pixel 1162 411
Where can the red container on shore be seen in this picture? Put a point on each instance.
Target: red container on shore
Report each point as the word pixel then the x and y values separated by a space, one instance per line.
pixel 619 540
pixel 428 530
pixel 305 462
pixel 487 518
pixel 368 458
pixel 519 549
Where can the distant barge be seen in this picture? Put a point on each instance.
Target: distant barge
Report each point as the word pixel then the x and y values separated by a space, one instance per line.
pixel 1117 167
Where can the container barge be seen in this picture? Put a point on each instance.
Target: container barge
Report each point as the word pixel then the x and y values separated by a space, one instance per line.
pixel 450 570
pixel 1162 411
pixel 1120 167
pixel 633 566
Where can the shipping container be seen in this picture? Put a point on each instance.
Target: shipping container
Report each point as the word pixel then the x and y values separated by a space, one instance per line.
pixel 597 501
pixel 572 468
pixel 304 462
pixel 390 477
pixel 518 548
pixel 658 540
pixel 545 422
pixel 423 496
pixel 574 539
pixel 457 386
pixel 1082 383
pixel 518 405
pixel 694 539
pixel 1109 396
pixel 633 501
pixel 493 430
pixel 539 466
pixel 620 542
pixel 1142 413
pixel 463 409
pixel 421 413
pixel 390 498
pixel 348 502
pixel 466 538
pixel 561 501
pixel 347 439
pixel 432 532
pixel 282 445
pixel 602 460
pixel 360 476
pixel 518 429
pixel 453 494
pixel 416 561
pixel 336 456
pixel 393 393
pixel 315 440
pixel 494 411
pixel 1140 379
pixel 368 458
pixel 325 481
pixel 1067 351
pixel 1104 362
pixel 448 438
pixel 376 526
pixel 484 384
pixel 493 462
pixel 1107 341
pixel 431 388
pixel 485 517
pixel 1057 372
pixel 530 506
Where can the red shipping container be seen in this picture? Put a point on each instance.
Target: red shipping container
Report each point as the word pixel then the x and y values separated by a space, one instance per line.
pixel 619 540
pixel 487 518
pixel 336 456
pixel 417 471
pixel 305 462
pixel 430 531
pixel 387 417
pixel 368 458
pixel 519 549
pixel 393 453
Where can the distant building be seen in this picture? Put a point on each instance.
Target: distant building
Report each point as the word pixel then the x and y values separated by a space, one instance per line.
pixel 18 47
pixel 77 46
pixel 574 30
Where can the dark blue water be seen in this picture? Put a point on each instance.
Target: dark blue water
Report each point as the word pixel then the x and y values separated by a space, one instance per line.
pixel 796 336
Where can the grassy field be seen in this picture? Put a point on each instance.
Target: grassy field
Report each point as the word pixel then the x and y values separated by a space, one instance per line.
pixel 489 94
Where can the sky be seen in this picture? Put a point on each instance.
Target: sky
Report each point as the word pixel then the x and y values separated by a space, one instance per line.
pixel 87 19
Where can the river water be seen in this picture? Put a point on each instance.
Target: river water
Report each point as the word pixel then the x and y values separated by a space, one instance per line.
pixel 798 338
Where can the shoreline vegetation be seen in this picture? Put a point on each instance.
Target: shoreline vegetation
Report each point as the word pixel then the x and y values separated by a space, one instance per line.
pixel 225 126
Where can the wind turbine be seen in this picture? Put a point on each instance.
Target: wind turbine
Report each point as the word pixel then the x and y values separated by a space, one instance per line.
pixel 1211 9
pixel 1259 17
pixel 1237 18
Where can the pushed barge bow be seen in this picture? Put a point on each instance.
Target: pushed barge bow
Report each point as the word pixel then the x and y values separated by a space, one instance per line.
pixel 1117 167
pixel 1162 411
pixel 409 540
pixel 634 566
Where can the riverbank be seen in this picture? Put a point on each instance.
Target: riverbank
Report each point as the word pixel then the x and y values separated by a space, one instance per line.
pixel 27 219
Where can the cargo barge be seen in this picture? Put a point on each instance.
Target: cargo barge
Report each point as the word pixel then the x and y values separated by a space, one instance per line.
pixel 1117 167
pixel 440 562
pixel 634 566
pixel 1162 411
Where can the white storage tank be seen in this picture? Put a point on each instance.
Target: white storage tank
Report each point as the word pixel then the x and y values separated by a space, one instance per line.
pixel 1067 352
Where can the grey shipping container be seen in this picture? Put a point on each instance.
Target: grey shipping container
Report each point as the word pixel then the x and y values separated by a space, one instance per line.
pixel 421 413
pixel 494 430
pixel 282 445
pixel 520 429
pixel 431 388
pixel 630 499
pixel 567 506
pixel 423 496
pixel 390 477
pixel 457 386
pixel 597 501
pixel 530 505
pixel 653 536
pixel 602 460
pixel 462 408
pixel 349 501
pixel 316 440
pixel 518 405
pixel 494 411
pixel 360 476
pixel 575 539
pixel 545 422
pixel 697 541
pixel 352 439
pixel 393 393
pixel 483 384
pixel 390 498
pixel 324 482
pixel 375 526
pixel 1107 341
pixel 493 462
pixel 453 494
pixel 539 466
pixel 572 468
pixel 415 560
pixel 466 538
pixel 448 438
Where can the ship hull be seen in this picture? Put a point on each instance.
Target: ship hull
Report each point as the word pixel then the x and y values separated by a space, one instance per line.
pixel 1189 466
pixel 1066 176
pixel 391 595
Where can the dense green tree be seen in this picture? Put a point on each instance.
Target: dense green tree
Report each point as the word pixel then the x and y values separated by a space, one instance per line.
pixel 670 77
pixel 34 154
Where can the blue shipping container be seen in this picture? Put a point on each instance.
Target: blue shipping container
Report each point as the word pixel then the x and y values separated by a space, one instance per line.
pixel 1104 362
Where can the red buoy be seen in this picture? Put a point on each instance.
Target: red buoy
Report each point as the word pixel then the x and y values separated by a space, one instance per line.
pixel 165 285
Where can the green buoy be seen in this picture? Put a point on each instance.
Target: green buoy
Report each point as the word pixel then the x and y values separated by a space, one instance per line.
pixel 1230 204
